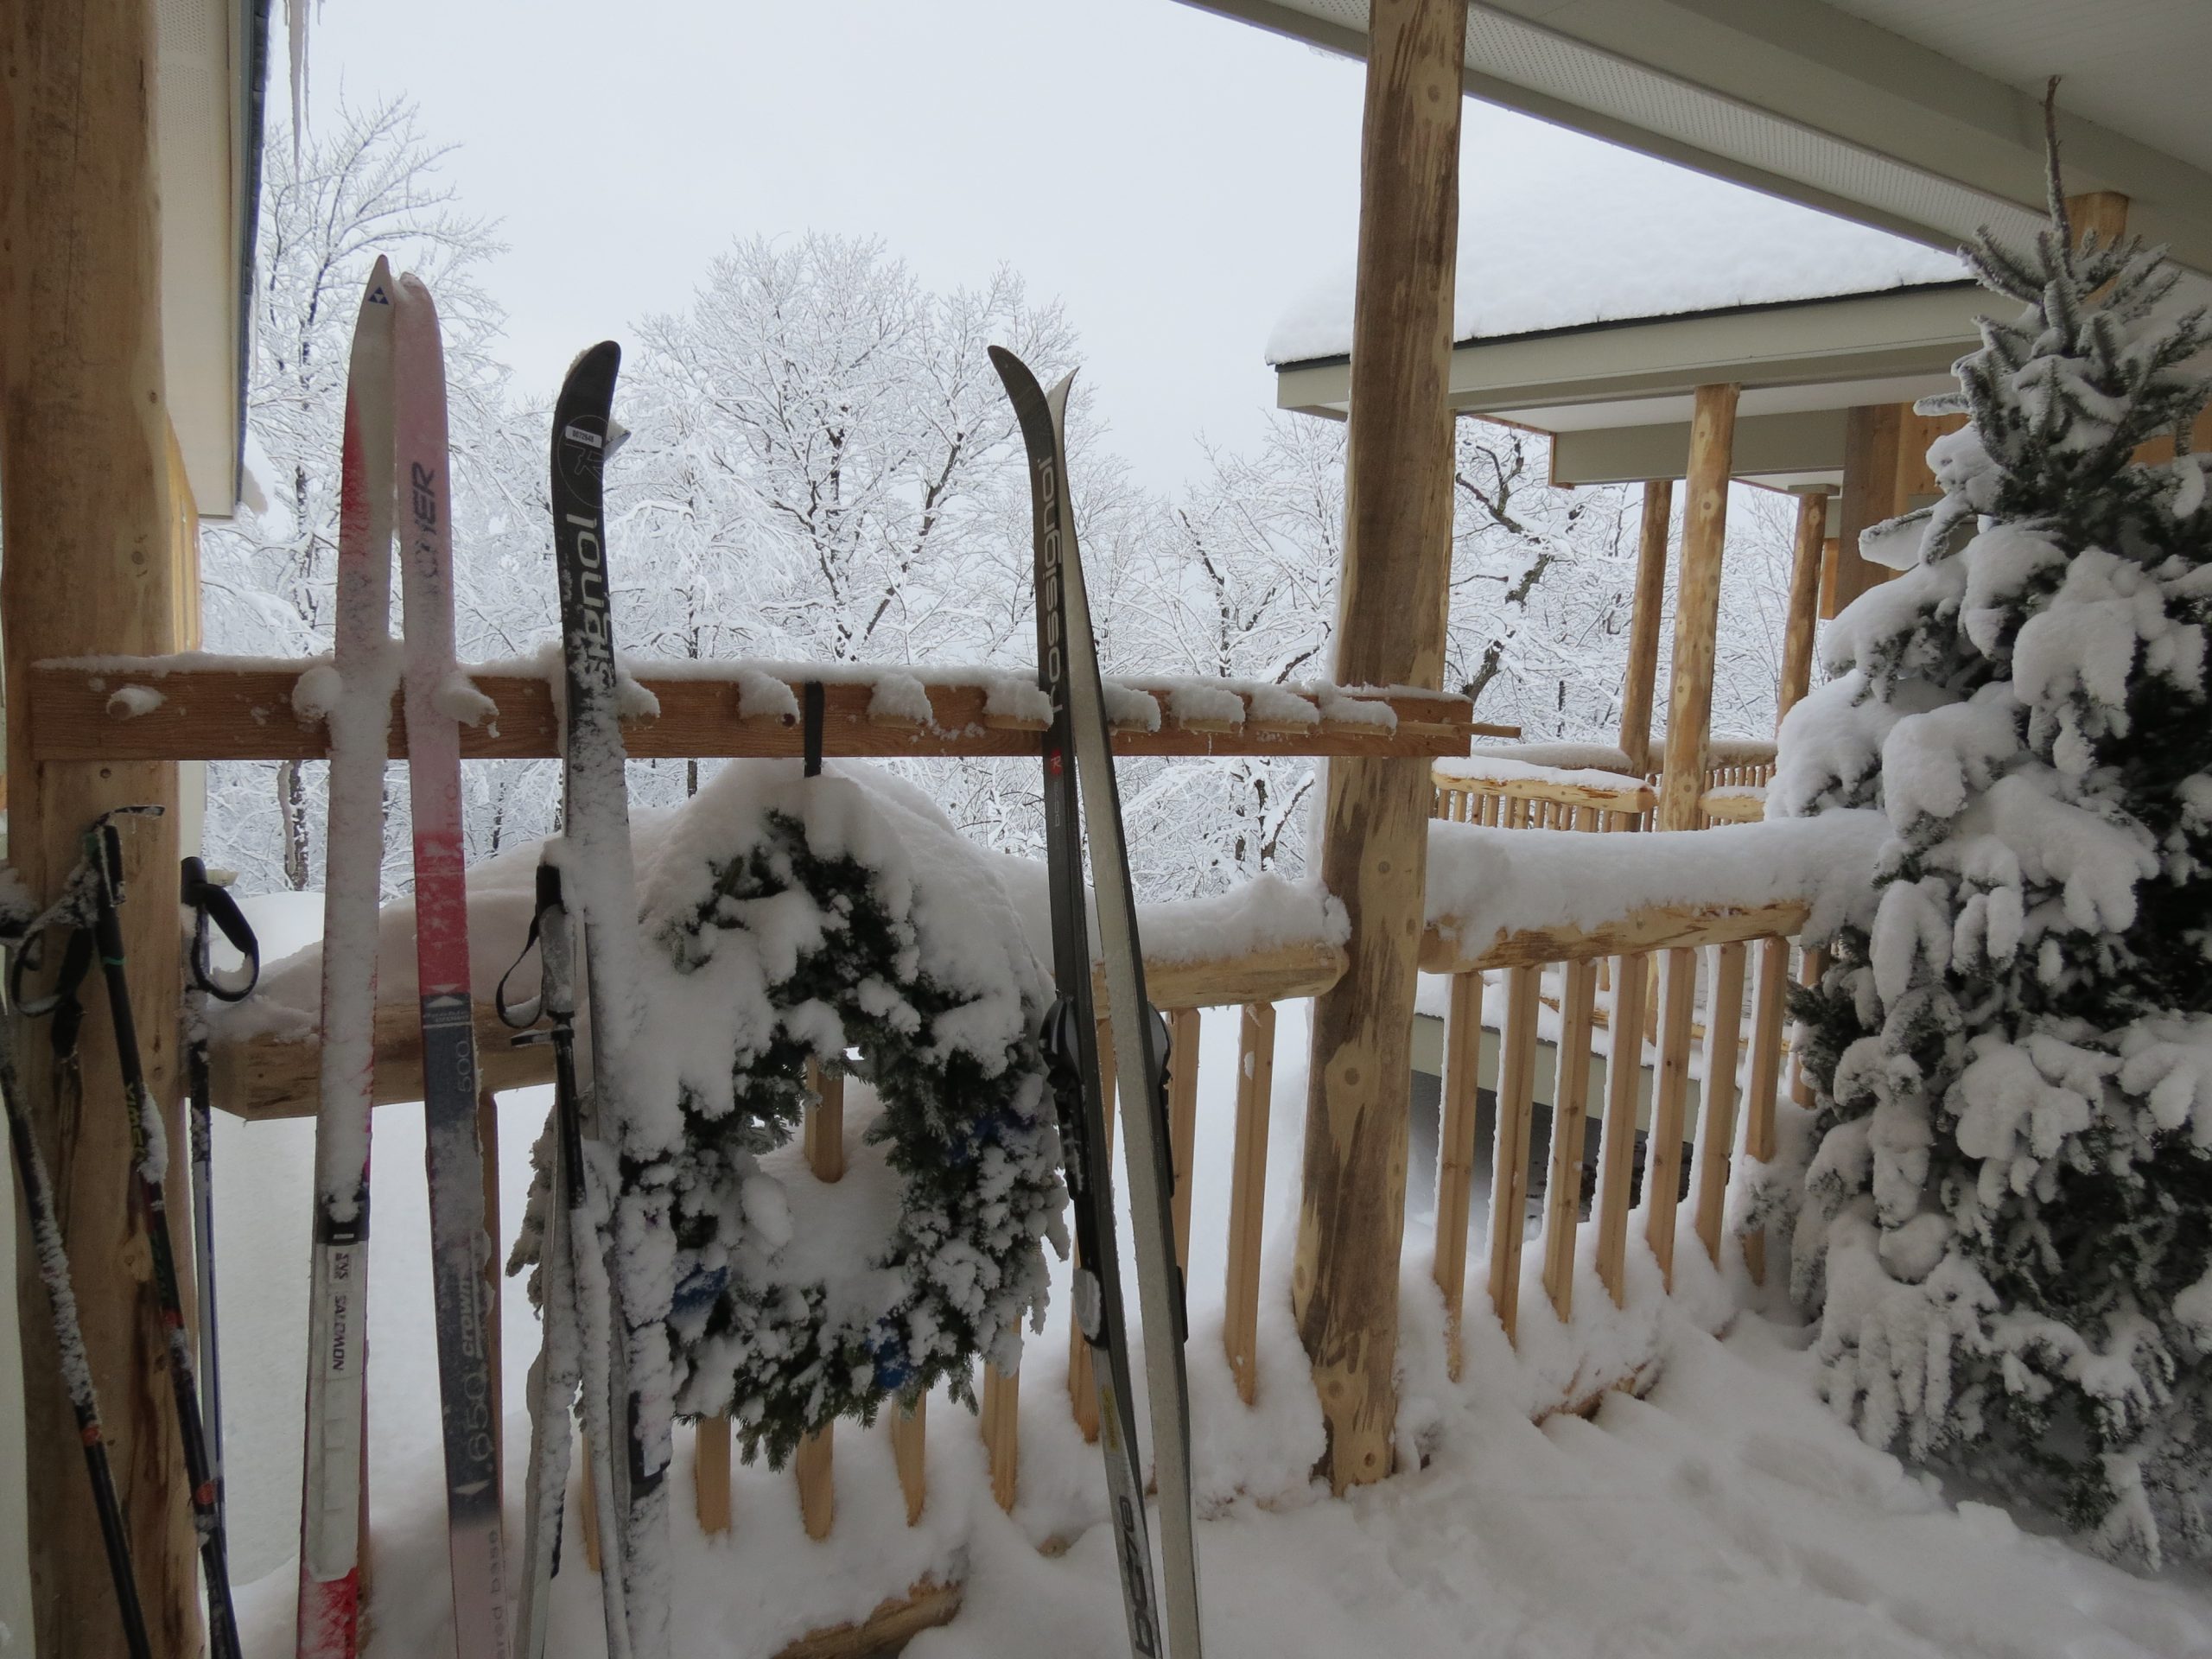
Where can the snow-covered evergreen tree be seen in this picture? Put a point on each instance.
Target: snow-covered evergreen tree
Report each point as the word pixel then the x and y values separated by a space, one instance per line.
pixel 2007 1225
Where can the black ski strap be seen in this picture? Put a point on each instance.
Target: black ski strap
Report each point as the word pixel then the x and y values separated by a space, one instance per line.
pixel 212 902
pixel 816 704
pixel 520 1016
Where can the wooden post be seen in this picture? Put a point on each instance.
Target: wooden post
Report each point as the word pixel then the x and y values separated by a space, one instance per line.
pixel 709 1474
pixel 1509 1166
pixel 1624 1095
pixel 1872 442
pixel 1662 1146
pixel 1765 1079
pixel 1002 1424
pixel 1804 599
pixel 1697 607
pixel 1724 1019
pixel 2104 212
pixel 1375 838
pixel 1570 1107
pixel 1182 1119
pixel 909 1454
pixel 1642 672
pixel 1248 1192
pixel 1455 1152
pixel 92 566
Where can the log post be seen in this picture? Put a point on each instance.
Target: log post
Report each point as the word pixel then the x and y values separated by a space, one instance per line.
pixel 1375 840
pixel 1642 674
pixel 1806 553
pixel 92 566
pixel 1697 607
pixel 1872 440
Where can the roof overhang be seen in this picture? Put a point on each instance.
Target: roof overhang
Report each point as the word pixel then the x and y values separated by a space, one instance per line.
pixel 1616 396
pixel 1806 101
pixel 209 56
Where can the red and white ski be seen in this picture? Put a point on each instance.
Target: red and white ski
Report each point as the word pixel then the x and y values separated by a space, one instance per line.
pixel 439 698
pixel 354 700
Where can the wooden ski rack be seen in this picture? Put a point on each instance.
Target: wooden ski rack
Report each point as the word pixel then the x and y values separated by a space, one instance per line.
pixel 213 708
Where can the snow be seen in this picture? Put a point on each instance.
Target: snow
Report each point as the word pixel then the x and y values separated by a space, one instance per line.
pixel 1484 884
pixel 1728 1512
pixel 1621 236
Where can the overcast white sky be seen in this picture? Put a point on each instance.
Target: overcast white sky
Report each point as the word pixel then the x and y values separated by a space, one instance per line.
pixel 1174 177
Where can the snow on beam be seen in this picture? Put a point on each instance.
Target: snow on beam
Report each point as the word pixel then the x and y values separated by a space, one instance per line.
pixel 1656 927
pixel 194 707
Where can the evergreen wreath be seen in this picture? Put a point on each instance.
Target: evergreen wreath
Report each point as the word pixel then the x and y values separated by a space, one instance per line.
pixel 851 926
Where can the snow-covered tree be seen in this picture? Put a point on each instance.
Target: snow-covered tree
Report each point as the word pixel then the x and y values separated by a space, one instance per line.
pixel 2007 1225
pixel 366 186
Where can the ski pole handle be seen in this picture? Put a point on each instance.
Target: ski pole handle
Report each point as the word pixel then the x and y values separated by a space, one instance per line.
pixel 209 901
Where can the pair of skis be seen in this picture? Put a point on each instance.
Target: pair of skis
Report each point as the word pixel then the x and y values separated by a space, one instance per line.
pixel 395 473
pixel 604 1312
pixel 1080 794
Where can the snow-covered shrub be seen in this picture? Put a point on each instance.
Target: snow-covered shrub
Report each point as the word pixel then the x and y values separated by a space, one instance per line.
pixel 2007 1222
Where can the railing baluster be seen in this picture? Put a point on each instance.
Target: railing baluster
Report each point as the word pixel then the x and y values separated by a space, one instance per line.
pixel 909 1454
pixel 1508 1186
pixel 823 1135
pixel 1002 1427
pixel 1724 1018
pixel 1617 1143
pixel 1248 1187
pixel 1663 1150
pixel 1765 1079
pixel 1455 1155
pixel 1182 1119
pixel 1570 1104
pixel 710 1474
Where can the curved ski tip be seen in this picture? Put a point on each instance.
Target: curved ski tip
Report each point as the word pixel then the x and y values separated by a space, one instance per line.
pixel 415 291
pixel 608 350
pixel 1021 383
pixel 379 288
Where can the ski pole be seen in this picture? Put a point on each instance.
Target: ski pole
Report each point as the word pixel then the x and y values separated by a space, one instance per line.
pixel 69 1338
pixel 96 890
pixel 209 903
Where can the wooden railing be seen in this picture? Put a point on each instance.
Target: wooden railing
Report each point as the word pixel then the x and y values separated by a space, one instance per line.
pixel 1495 786
pixel 1716 973
pixel 1596 1073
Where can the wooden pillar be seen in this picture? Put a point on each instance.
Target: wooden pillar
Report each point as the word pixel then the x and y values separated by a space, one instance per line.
pixel 1697 607
pixel 1871 434
pixel 1375 839
pixel 1805 559
pixel 1642 674
pixel 2104 212
pixel 92 566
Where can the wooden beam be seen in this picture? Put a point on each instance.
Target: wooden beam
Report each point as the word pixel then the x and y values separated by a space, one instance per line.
pixel 217 709
pixel 2104 212
pixel 275 1076
pixel 96 562
pixel 1642 672
pixel 1697 607
pixel 1648 929
pixel 1804 599
pixel 1375 835
pixel 1630 797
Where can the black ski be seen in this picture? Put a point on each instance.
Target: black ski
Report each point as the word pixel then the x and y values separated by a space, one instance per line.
pixel 1076 744
pixel 600 888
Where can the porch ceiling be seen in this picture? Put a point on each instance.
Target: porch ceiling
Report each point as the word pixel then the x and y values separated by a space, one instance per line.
pixel 1920 117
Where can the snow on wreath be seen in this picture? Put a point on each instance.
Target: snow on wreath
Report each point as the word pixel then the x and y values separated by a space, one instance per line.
pixel 840 919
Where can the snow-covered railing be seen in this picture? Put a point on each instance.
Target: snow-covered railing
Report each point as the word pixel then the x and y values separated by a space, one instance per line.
pixel 1589 786
pixel 1540 786
pixel 198 707
pixel 1579 929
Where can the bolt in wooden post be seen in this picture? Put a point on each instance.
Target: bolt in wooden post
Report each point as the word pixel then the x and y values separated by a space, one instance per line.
pixel 1697 607
pixel 97 563
pixel 1375 835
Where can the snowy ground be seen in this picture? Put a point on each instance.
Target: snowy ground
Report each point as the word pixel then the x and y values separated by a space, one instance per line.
pixel 1726 1514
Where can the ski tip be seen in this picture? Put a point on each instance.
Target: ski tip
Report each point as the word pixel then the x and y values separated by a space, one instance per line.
pixel 380 289
pixel 413 289
pixel 1021 384
pixel 603 359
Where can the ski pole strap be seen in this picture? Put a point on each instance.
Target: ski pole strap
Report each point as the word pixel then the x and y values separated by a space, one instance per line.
pixel 520 1016
pixel 211 902
pixel 815 703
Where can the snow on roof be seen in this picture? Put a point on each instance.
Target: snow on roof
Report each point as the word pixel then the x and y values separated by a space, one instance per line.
pixel 1601 235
